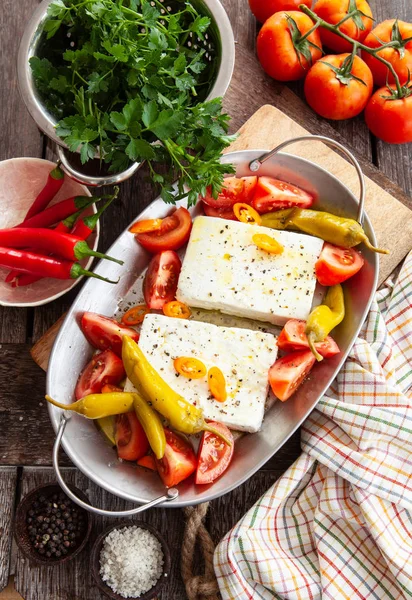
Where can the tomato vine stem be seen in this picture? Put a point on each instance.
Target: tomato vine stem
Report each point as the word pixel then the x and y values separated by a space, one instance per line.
pixel 401 93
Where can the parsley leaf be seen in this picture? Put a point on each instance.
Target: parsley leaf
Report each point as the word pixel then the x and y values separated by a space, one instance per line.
pixel 129 81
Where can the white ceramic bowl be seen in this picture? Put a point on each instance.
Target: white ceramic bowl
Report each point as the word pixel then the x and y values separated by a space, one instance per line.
pixel 21 179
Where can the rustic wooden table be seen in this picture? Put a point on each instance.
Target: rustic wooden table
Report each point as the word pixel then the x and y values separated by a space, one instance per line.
pixel 26 436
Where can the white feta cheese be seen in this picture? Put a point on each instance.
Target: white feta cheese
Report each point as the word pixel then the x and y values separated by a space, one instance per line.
pixel 224 270
pixel 243 356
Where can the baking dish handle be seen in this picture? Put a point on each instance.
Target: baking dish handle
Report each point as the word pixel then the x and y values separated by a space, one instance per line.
pixel 256 164
pixel 171 493
pixel 91 181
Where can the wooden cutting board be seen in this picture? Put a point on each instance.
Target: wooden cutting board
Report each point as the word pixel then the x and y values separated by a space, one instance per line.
pixel 267 128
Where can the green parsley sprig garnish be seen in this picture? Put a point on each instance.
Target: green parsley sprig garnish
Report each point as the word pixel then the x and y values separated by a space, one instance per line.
pixel 127 79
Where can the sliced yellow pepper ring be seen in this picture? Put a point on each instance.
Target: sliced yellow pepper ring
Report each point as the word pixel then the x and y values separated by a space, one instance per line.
pixel 135 315
pixel 217 384
pixel 176 309
pixel 246 214
pixel 267 243
pixel 189 367
pixel 146 226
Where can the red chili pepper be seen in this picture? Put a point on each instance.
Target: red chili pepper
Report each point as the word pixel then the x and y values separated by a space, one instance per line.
pixel 54 182
pixel 44 266
pixel 54 242
pixel 59 212
pixel 64 227
pixel 86 225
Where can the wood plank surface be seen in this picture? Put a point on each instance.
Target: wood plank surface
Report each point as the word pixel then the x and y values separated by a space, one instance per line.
pixel 73 581
pixel 19 135
pixel 26 434
pixel 8 478
pixel 394 160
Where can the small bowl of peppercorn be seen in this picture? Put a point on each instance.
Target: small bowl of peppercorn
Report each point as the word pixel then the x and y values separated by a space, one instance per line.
pixel 50 529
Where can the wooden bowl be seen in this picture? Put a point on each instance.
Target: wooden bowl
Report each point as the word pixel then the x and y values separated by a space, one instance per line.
pixel 95 561
pixel 20 528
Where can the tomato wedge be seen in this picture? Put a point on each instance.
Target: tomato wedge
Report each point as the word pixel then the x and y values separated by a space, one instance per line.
pixel 104 368
pixel 293 337
pixel 337 264
pixel 109 389
pixel 288 372
pixel 179 460
pixel 272 194
pixel 160 282
pixel 103 333
pixel 232 192
pixel 214 455
pixel 249 188
pixel 172 234
pixel 148 462
pixel 220 213
pixel 131 440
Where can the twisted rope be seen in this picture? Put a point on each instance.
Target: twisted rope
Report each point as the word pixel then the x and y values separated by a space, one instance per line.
pixel 198 587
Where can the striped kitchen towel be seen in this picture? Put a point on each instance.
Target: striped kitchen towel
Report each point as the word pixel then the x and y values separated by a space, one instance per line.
pixel 338 524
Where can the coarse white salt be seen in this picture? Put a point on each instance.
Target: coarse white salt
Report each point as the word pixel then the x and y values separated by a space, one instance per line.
pixel 131 561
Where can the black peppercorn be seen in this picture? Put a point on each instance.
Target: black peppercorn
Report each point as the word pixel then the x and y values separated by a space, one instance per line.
pixel 55 525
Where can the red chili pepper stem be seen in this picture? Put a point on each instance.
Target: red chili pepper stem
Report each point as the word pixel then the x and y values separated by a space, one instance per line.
pixel 69 223
pixel 85 226
pixel 60 211
pixel 77 271
pixel 53 184
pixel 82 250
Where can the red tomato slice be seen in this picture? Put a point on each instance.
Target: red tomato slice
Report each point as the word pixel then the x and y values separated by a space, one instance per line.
pixel 160 282
pixel 232 192
pixel 249 188
pixel 288 372
pixel 214 455
pixel 222 213
pixel 337 264
pixel 293 337
pixel 272 194
pixel 104 368
pixel 172 234
pixel 103 333
pixel 131 440
pixel 179 460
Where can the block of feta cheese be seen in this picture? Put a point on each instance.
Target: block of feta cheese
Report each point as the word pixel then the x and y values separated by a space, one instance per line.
pixel 224 270
pixel 243 356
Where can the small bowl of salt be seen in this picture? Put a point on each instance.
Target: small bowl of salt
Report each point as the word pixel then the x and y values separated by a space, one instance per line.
pixel 130 560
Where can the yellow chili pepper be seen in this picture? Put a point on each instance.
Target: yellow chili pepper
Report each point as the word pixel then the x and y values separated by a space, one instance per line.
pixel 181 415
pixel 335 230
pixel 97 406
pixel 217 384
pixel 177 310
pixel 325 317
pixel 190 367
pixel 106 426
pixel 152 425
pixel 246 214
pixel 279 219
pixel 267 243
pixel 146 226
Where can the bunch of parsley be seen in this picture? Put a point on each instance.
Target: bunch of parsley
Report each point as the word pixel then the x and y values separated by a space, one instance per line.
pixel 127 79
